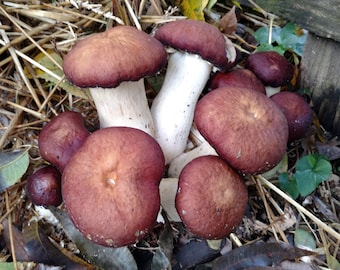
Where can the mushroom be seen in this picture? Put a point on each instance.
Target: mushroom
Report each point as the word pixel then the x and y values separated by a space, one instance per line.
pixel 43 187
pixel 237 78
pixel 110 186
pixel 271 68
pixel 61 137
pixel 199 46
pixel 112 64
pixel 245 127
pixel 211 198
pixel 298 113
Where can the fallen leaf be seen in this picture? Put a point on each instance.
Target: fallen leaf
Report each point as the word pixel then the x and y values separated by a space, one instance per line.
pixel 258 254
pixel 13 165
pixel 103 257
pixel 193 9
pixel 55 74
pixel 228 23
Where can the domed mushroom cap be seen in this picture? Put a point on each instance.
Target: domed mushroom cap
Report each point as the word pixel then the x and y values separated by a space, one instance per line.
pixel 237 78
pixel 119 54
pixel 211 198
pixel 270 67
pixel 298 113
pixel 111 185
pixel 61 137
pixel 195 37
pixel 245 127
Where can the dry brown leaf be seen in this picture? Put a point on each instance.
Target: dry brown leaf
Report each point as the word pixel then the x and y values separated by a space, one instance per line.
pixel 228 22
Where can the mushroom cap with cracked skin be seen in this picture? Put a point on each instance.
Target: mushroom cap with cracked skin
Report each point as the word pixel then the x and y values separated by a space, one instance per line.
pixel 119 54
pixel 211 198
pixel 245 127
pixel 298 113
pixel 270 67
pixel 61 137
pixel 238 78
pixel 111 186
pixel 195 37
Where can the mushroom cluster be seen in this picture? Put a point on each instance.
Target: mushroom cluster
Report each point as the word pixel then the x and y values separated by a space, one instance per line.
pixel 112 184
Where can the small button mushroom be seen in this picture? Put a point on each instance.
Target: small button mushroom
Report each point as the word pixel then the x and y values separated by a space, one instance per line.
pixel 199 46
pixel 245 127
pixel 238 78
pixel 44 186
pixel 211 198
pixel 298 113
pixel 61 137
pixel 271 68
pixel 111 186
pixel 112 64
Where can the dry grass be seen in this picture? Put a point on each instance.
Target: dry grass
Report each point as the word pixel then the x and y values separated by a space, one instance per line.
pixel 29 28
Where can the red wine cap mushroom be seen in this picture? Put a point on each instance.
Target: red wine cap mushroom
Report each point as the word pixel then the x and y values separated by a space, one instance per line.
pixel 211 198
pixel 195 37
pixel 61 137
pixel 110 186
pixel 297 111
pixel 270 67
pixel 245 127
pixel 44 186
pixel 113 65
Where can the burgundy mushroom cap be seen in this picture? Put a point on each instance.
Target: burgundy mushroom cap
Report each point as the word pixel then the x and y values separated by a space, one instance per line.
pixel 44 186
pixel 245 127
pixel 119 54
pixel 297 111
pixel 270 67
pixel 110 186
pixel 195 37
pixel 238 78
pixel 61 137
pixel 211 198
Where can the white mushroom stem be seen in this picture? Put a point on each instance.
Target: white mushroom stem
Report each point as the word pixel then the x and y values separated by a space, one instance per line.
pixel 173 108
pixel 168 190
pixel 270 90
pixel 202 148
pixel 124 105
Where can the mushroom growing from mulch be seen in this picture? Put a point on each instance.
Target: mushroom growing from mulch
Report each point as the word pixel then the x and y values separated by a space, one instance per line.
pixel 61 137
pixel 211 198
pixel 273 69
pixel 199 47
pixel 298 113
pixel 110 186
pixel 113 65
pixel 245 127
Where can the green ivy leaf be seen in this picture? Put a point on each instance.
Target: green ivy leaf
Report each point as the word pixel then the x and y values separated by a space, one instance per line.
pixel 13 165
pixel 262 35
pixel 269 47
pixel 288 185
pixel 293 38
pixel 310 171
pixel 303 238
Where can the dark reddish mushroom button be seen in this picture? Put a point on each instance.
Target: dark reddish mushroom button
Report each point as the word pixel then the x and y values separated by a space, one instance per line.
pixel 245 127
pixel 297 111
pixel 270 67
pixel 110 186
pixel 238 78
pixel 211 198
pixel 61 137
pixel 44 186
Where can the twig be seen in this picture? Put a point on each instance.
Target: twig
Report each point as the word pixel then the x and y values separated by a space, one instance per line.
pixel 300 208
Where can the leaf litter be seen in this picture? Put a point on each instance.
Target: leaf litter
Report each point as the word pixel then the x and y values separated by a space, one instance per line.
pixel 35 35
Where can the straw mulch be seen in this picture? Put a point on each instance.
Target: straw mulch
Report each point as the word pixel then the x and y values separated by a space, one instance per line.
pixel 30 96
